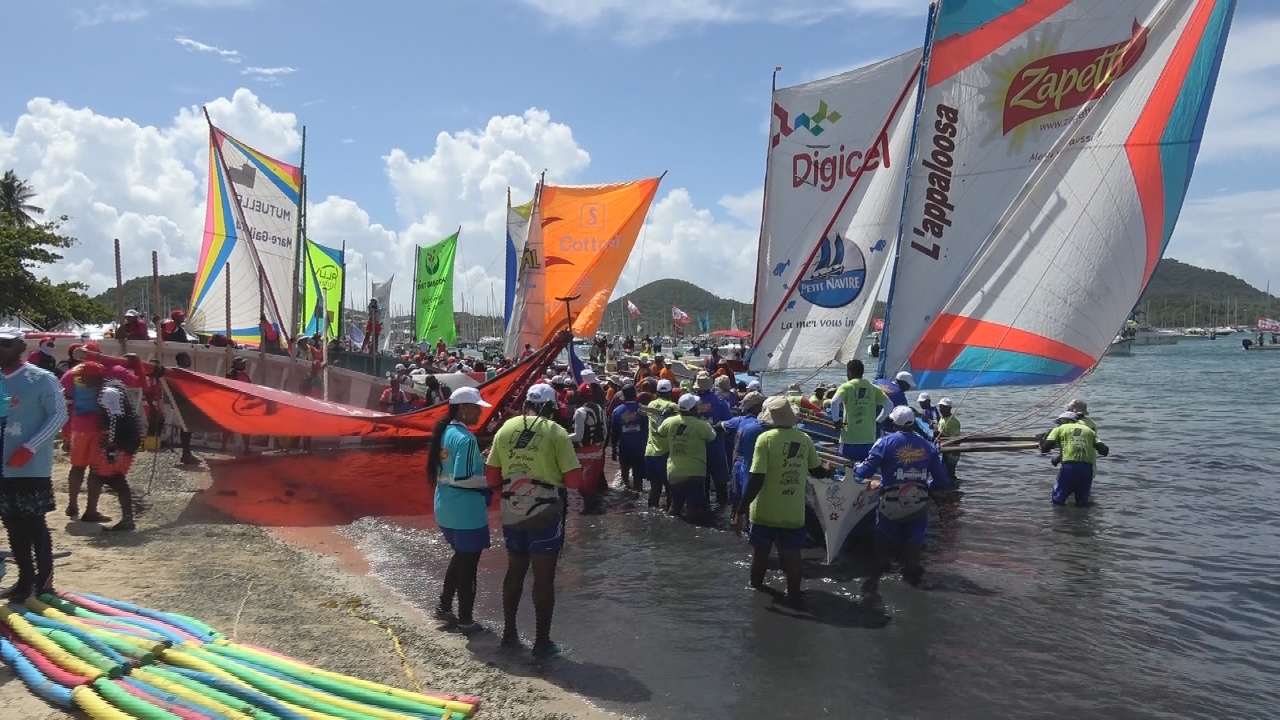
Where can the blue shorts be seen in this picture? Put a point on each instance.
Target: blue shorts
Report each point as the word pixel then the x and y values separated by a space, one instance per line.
pixel 909 532
pixel 856 453
pixel 546 541
pixel 655 470
pixel 1074 478
pixel 684 491
pixel 467 541
pixel 738 486
pixel 766 536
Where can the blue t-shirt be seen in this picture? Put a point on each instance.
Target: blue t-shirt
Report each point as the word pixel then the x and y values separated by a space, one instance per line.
pixel 890 388
pixel 746 429
pixel 630 427
pixel 37 412
pixel 902 458
pixel 460 508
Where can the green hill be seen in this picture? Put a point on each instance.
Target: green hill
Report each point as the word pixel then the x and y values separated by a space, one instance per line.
pixel 1182 295
pixel 175 292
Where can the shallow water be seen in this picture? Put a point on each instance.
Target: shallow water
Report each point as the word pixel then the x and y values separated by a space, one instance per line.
pixel 1161 601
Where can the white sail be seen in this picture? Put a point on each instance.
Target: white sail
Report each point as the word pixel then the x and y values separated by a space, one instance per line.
pixel 1050 171
pixel 833 198
pixel 528 309
pixel 733 319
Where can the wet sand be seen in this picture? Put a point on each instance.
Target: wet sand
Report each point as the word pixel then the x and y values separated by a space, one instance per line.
pixel 250 546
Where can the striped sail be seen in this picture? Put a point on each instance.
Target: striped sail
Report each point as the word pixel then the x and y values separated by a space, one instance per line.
pixel 1055 146
pixel 517 235
pixel 251 197
pixel 833 197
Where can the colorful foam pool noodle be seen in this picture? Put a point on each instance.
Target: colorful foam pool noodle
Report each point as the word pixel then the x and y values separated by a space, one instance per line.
pixel 296 694
pixel 85 653
pixel 46 666
pixel 137 690
pixel 200 695
pixel 31 676
pixel 169 632
pixel 44 625
pixel 94 706
pixel 248 694
pixel 130 646
pixel 320 682
pixel 129 704
pixel 24 631
pixel 203 633
pixel 99 621
pixel 464 706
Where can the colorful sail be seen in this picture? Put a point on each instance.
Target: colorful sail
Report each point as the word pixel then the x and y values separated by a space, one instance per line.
pixel 517 234
pixel 1055 147
pixel 251 197
pixel 322 289
pixel 528 309
pixel 433 292
pixel 833 199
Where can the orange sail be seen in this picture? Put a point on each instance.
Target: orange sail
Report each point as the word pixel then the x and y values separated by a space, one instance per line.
pixel 588 232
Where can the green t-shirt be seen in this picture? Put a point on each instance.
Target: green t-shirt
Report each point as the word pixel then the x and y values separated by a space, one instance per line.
pixel 784 456
pixel 949 426
pixel 686 437
pixel 533 446
pixel 1076 441
pixel 657 446
pixel 1088 423
pixel 859 400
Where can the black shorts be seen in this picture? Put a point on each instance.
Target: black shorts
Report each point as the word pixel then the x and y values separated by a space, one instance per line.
pixel 26 497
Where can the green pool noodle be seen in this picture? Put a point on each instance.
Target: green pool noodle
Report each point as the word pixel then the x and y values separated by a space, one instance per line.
pixel 73 645
pixel 129 704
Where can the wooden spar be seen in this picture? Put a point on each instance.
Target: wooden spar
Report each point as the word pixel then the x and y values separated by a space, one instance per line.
pixel 124 344
pixel 226 275
pixel 1010 447
pixel 155 292
pixel 300 242
pixel 262 314
pixel 990 438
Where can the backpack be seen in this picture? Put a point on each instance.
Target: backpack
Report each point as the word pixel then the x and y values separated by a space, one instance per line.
pixel 126 430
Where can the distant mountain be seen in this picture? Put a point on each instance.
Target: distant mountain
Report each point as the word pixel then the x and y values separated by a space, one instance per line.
pixel 175 292
pixel 1182 295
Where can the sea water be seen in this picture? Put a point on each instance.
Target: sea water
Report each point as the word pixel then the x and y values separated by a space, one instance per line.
pixel 1161 601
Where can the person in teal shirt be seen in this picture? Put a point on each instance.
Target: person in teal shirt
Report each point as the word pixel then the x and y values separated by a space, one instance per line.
pixel 687 436
pixel 456 468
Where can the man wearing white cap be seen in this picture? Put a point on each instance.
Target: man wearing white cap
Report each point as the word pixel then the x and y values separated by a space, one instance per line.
pixel 1080 450
pixel 32 417
pixel 687 437
pixel 713 409
pixel 948 427
pixel 910 467
pixel 896 389
pixel 532 460
pixel 928 412
pixel 656 449
pixel 43 357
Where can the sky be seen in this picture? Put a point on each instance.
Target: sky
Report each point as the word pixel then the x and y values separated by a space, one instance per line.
pixel 420 115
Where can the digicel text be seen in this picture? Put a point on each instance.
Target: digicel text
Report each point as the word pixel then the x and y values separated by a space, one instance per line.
pixel 825 171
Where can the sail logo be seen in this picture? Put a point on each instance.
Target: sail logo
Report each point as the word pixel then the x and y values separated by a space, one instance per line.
pixel 592 216
pixel 432 264
pixel 529 260
pixel 813 122
pixel 937 196
pixel 838 277
pixel 245 175
pixel 825 171
pixel 327 277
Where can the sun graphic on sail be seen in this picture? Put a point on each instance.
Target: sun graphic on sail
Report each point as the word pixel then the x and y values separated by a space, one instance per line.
pixel 1004 72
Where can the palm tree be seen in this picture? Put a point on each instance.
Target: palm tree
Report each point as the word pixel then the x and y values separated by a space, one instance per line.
pixel 15 199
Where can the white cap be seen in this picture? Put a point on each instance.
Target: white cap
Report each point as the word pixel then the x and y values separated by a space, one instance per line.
pixel 753 386
pixel 589 376
pixel 131 313
pixel 467 396
pixel 793 389
pixel 11 333
pixel 688 401
pixel 902 416
pixel 664 386
pixel 924 398
pixel 400 367
pixel 944 402
pixel 541 393
pixel 1068 417
pixel 906 377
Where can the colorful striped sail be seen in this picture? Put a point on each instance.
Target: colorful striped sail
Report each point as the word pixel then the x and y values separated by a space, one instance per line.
pixel 833 197
pixel 1055 146
pixel 251 197
pixel 322 289
pixel 517 234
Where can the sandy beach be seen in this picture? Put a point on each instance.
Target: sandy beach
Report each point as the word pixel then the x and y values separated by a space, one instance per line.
pixel 246 546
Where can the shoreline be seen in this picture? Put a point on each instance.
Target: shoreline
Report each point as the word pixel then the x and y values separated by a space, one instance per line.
pixel 301 588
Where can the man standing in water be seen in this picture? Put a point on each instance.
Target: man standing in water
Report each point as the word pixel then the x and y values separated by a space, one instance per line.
pixel 783 458
pixel 910 468
pixel 745 430
pixel 948 428
pixel 687 437
pixel 655 449
pixel 1080 450
pixel 532 459
pixel 36 412
pixel 854 409
pixel 628 436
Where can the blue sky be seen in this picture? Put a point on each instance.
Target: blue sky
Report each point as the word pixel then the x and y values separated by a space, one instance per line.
pixel 418 116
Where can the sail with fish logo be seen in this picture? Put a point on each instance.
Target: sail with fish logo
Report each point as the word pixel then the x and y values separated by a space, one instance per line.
pixel 579 239
pixel 1055 146
pixel 251 231
pixel 833 196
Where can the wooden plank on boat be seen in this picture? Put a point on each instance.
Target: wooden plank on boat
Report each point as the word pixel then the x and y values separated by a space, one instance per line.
pixel 1001 447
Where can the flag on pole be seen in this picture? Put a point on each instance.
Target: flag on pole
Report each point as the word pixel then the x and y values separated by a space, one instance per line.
pixel 679 316
pixel 1268 325
pixel 632 310
pixel 382 293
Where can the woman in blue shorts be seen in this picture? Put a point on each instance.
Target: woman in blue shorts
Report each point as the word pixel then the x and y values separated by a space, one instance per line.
pixel 456 468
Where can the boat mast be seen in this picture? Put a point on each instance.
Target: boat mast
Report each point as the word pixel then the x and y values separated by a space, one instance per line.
pixel 301 236
pixel 342 294
pixel 906 186
pixel 764 205
pixel 413 308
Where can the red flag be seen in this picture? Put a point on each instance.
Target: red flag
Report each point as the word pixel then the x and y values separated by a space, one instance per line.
pixel 679 316
pixel 1268 325
pixel 632 310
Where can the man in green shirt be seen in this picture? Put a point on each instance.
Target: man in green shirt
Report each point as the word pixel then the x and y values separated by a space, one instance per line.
pixel 854 409
pixel 1080 450
pixel 784 457
pixel 655 449
pixel 687 436
pixel 948 427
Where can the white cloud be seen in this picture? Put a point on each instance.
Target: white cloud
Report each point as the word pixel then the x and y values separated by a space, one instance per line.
pixel 110 12
pixel 269 75
pixel 1240 122
pixel 641 22
pixel 1229 233
pixel 231 56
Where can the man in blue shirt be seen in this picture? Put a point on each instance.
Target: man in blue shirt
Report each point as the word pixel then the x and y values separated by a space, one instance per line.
pixel 714 409
pixel 910 468
pixel 629 431
pixel 896 389
pixel 36 413
pixel 745 430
